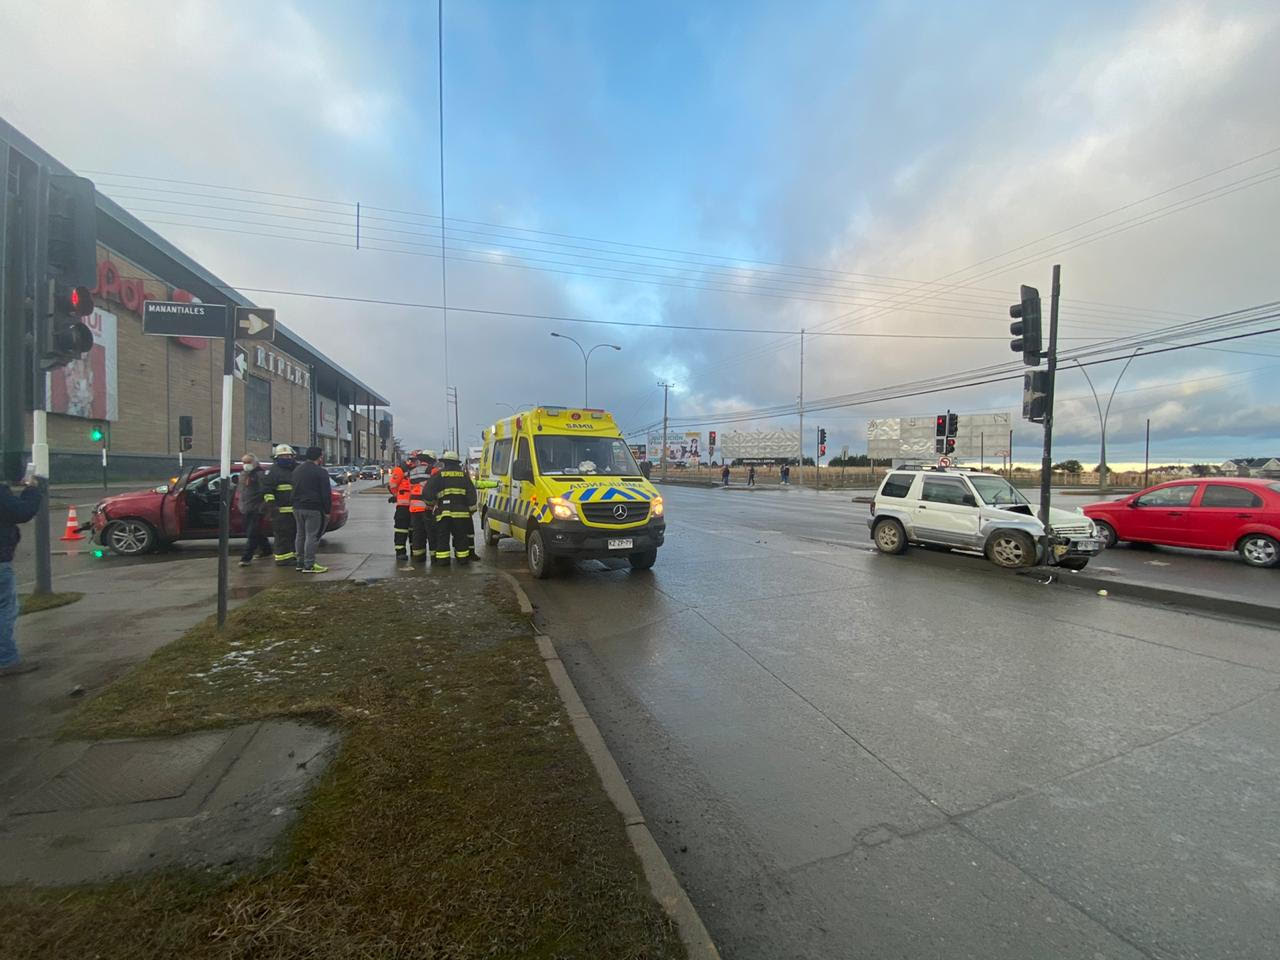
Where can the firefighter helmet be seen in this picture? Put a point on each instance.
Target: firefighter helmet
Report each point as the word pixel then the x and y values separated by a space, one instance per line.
pixel 429 454
pixel 449 455
pixel 283 450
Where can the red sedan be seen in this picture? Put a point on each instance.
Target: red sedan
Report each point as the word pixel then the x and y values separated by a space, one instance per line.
pixel 1210 514
pixel 186 508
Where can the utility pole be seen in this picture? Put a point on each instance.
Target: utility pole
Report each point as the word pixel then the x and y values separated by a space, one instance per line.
pixel 800 464
pixel 1046 459
pixel 663 447
pixel 982 451
pixel 457 433
pixel 1011 456
pixel 1146 458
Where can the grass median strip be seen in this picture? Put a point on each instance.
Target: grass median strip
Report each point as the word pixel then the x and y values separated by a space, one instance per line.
pixel 461 817
pixel 38 602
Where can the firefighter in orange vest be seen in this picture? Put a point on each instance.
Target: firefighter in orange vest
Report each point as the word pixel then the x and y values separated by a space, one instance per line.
pixel 399 487
pixel 421 522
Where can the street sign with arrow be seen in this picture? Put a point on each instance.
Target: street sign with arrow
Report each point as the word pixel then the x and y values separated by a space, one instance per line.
pixel 241 362
pixel 255 323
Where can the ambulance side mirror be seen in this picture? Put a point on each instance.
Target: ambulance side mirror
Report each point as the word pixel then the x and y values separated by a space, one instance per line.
pixel 522 470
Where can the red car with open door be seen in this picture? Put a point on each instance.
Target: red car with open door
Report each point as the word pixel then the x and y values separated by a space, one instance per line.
pixel 1213 513
pixel 186 508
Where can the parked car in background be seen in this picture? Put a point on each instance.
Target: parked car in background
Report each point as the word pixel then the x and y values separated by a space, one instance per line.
pixel 1228 513
pixel 974 511
pixel 342 474
pixel 370 472
pixel 186 508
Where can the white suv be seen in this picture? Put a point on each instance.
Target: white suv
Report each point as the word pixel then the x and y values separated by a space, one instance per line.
pixel 975 511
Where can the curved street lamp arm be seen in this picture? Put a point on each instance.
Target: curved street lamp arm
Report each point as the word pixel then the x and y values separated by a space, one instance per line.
pixel 1102 423
pixel 1106 415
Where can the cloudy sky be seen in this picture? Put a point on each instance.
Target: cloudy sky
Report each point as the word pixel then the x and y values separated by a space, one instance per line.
pixel 762 166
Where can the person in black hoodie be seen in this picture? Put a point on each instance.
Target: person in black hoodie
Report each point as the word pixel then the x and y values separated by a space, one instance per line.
pixel 312 498
pixel 13 511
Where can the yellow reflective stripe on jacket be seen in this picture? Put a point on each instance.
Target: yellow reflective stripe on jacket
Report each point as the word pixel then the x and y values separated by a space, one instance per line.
pixel 454 514
pixel 453 492
pixel 269 497
pixel 284 486
pixel 285 510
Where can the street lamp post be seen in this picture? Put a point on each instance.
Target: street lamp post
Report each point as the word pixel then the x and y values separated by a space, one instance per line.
pixel 586 357
pixel 1103 415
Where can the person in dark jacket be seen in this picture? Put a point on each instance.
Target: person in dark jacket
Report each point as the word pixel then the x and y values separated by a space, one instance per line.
pixel 252 508
pixel 312 498
pixel 277 494
pixel 13 511
pixel 452 496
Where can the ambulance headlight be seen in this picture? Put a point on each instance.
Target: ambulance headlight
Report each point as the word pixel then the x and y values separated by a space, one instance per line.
pixel 656 507
pixel 563 509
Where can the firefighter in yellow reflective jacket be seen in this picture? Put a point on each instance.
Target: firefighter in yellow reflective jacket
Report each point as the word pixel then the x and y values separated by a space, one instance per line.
pixel 452 495
pixel 277 494
pixel 421 522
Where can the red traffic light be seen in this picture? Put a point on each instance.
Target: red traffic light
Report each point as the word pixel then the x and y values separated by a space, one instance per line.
pixel 80 302
pixel 941 430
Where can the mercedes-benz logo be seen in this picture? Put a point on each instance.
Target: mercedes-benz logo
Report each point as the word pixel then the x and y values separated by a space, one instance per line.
pixel 620 512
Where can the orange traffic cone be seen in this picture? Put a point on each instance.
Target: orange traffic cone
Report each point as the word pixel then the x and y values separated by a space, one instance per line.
pixel 73 526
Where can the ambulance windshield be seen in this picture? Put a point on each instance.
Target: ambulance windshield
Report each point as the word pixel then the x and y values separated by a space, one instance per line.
pixel 560 455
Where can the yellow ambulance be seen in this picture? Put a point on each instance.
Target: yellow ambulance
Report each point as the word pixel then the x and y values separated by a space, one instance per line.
pixel 563 482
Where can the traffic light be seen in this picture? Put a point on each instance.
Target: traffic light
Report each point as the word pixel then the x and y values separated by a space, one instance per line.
pixel 940 445
pixel 186 432
pixel 953 424
pixel 66 337
pixel 951 445
pixel 1035 395
pixel 1026 326
pixel 73 232
pixel 822 436
pixel 941 430
pixel 73 269
pixel 97 435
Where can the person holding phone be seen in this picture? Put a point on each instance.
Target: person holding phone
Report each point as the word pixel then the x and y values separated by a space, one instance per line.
pixel 14 509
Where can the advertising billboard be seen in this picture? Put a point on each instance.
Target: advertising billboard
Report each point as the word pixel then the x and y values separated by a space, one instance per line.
pixel 86 387
pixel 762 445
pixel 326 416
pixel 684 448
pixel 915 438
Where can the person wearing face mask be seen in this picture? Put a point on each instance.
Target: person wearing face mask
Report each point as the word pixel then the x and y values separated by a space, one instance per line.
pixel 252 508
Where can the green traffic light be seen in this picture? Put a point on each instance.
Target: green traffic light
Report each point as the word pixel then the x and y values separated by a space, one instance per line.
pixel 96 435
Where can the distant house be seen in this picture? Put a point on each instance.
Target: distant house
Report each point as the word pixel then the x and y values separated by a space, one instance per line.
pixel 1252 467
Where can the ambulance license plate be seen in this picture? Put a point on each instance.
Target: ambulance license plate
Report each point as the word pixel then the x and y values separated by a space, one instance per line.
pixel 622 543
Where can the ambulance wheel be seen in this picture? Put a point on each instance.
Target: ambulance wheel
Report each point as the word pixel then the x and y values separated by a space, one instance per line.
pixel 540 563
pixel 644 560
pixel 491 536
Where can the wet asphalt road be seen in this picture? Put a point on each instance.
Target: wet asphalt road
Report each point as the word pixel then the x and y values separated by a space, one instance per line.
pixel 851 755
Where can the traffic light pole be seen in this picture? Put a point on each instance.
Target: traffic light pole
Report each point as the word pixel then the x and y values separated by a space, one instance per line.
pixel 1046 459
pixel 224 505
pixel 40 309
